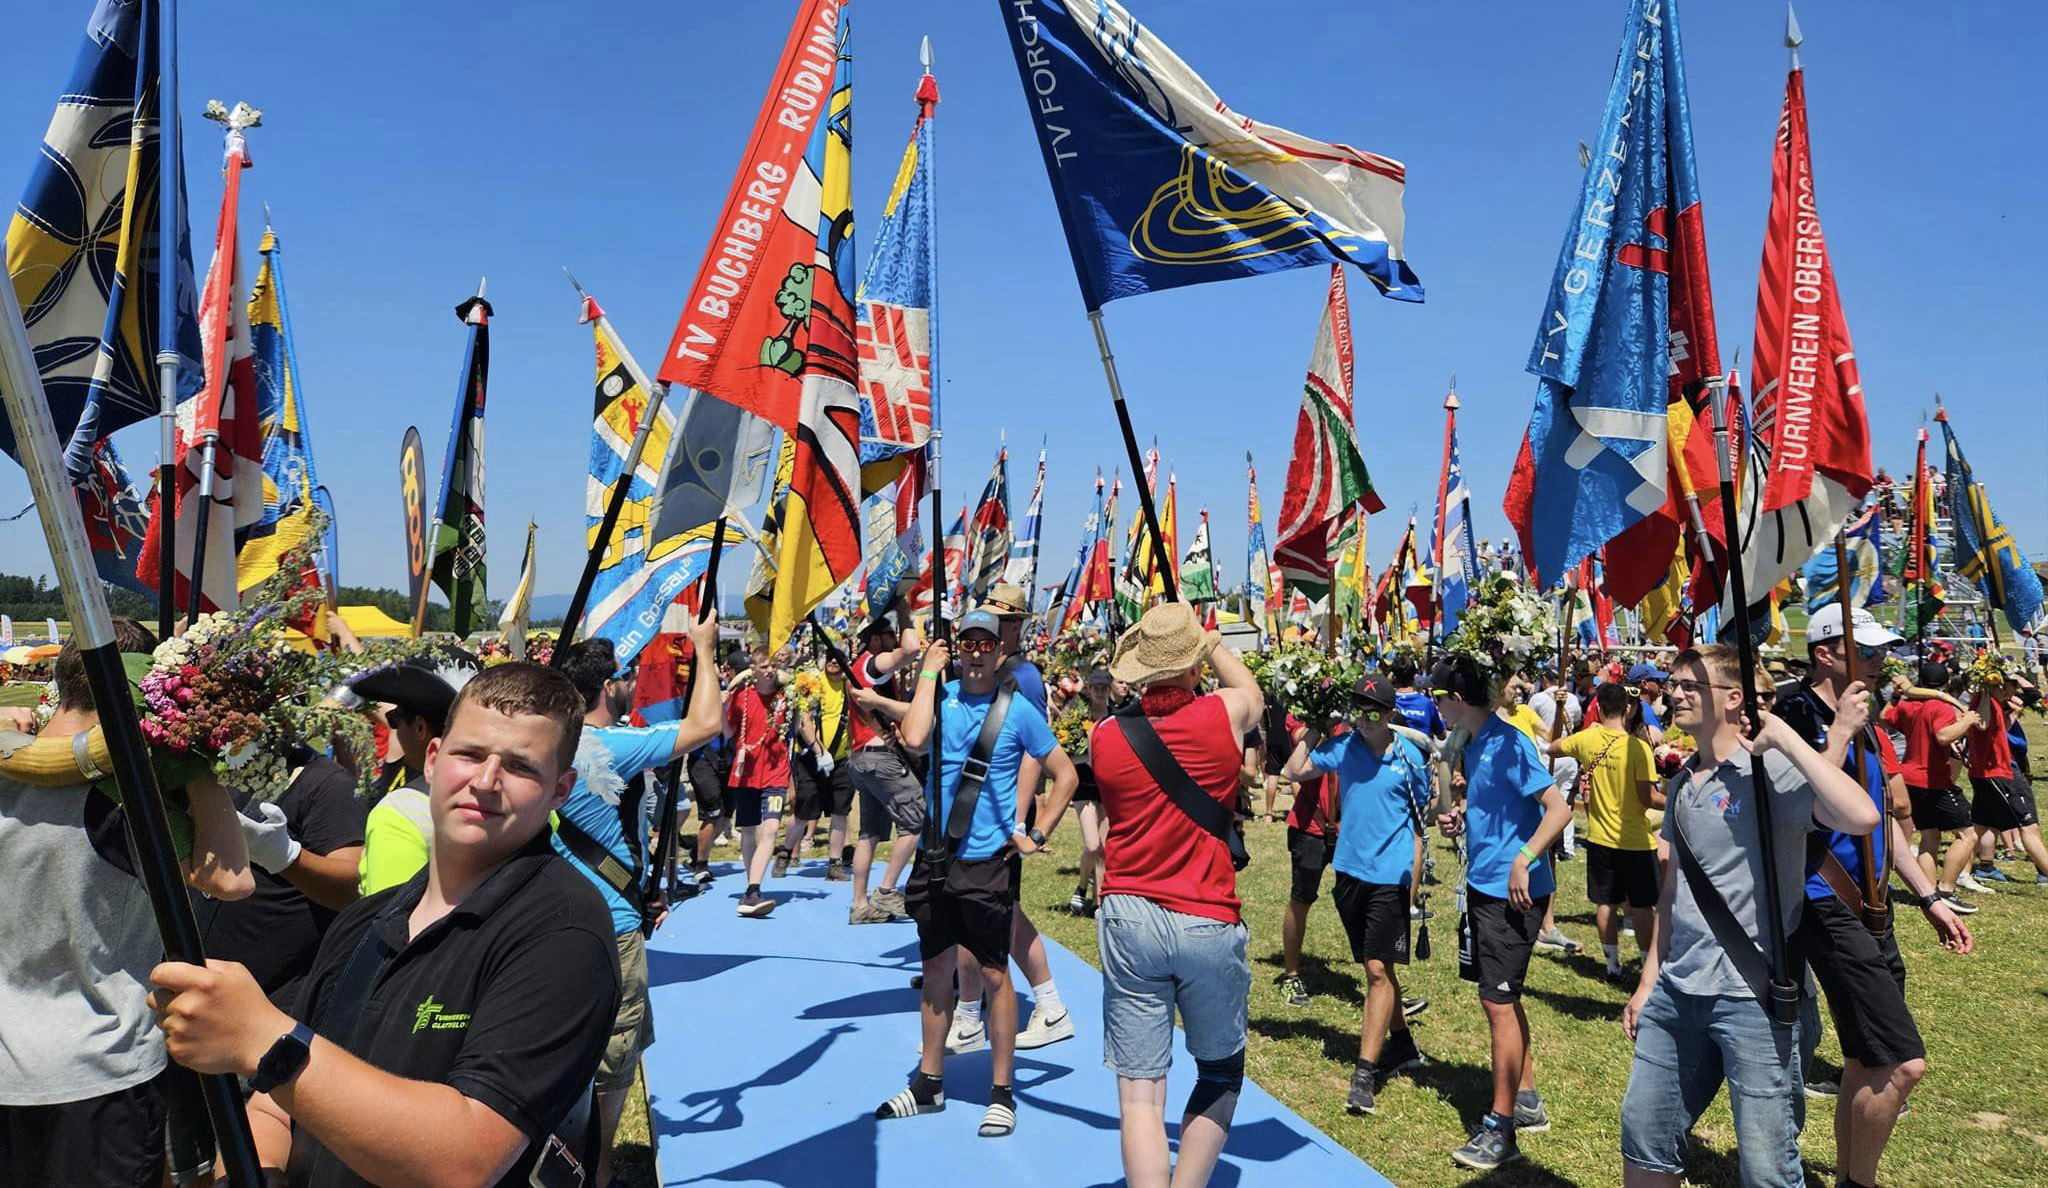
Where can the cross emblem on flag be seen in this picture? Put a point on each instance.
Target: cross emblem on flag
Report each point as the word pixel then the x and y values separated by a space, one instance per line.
pixel 896 373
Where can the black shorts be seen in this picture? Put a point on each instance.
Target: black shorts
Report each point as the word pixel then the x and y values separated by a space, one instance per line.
pixel 707 786
pixel 1621 876
pixel 1087 791
pixel 752 806
pixel 2002 804
pixel 1375 917
pixel 1311 855
pixel 115 1139
pixel 1275 762
pixel 817 794
pixel 972 909
pixel 1938 808
pixel 1502 939
pixel 1865 983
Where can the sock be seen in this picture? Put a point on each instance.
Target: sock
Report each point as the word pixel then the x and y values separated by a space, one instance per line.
pixel 969 1013
pixel 1080 890
pixel 1613 955
pixel 1368 1067
pixel 926 1088
pixel 1505 1123
pixel 1048 998
pixel 753 888
pixel 1001 1095
pixel 1528 1097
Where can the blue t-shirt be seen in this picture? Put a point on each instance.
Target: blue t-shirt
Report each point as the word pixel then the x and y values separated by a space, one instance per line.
pixel 1810 718
pixel 1650 717
pixel 630 750
pixel 1030 683
pixel 1382 798
pixel 1505 780
pixel 1025 732
pixel 1418 711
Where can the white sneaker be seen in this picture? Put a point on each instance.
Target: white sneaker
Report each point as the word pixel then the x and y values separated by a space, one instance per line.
pixel 963 1038
pixel 1042 1031
pixel 1968 882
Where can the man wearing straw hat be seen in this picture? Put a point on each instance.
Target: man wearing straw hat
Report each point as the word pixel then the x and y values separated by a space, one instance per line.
pixel 1172 932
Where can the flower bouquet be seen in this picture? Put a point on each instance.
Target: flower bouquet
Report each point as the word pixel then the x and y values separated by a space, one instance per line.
pixel 1317 689
pixel 1078 652
pixel 1071 727
pixel 1505 628
pixel 805 689
pixel 1990 670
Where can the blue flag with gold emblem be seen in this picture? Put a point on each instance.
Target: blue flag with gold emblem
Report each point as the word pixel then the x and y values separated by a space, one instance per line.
pixel 1160 184
pixel 1984 550
pixel 289 478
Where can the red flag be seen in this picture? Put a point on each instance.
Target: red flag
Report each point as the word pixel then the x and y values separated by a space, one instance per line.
pixel 1326 476
pixel 1809 400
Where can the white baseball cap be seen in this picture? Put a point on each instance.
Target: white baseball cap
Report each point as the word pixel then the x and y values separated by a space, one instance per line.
pixel 1826 624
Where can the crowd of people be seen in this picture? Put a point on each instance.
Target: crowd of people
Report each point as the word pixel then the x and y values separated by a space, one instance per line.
pixel 447 977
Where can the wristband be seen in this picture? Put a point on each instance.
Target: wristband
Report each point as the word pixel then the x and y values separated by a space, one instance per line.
pixel 929 674
pixel 1529 854
pixel 1927 901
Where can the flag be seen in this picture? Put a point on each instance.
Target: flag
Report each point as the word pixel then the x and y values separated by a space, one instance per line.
pixel 1022 570
pixel 1393 598
pixel 1451 548
pixel 1169 527
pixel 785 351
pixel 1592 615
pixel 898 366
pixel 412 491
pixel 1136 576
pixel 1626 337
pixel 1919 571
pixel 224 411
pixel 662 694
pixel 1160 184
pixel 1667 609
pixel 1097 586
pixel 1258 563
pixel 1418 582
pixel 1984 550
pixel 1326 475
pixel 988 535
pixel 1073 598
pixel 457 544
pixel 84 256
pixel 289 477
pixel 1810 446
pixel 1198 568
pixel 513 619
pixel 892 568
pixel 1348 579
pixel 6 631
pixel 953 554
pixel 116 525
pixel 1864 543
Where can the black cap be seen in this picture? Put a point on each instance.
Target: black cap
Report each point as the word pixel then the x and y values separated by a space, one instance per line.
pixel 421 685
pixel 1376 690
pixel 877 625
pixel 1934 675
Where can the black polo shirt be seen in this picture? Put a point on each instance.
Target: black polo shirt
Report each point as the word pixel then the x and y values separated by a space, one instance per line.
pixel 509 998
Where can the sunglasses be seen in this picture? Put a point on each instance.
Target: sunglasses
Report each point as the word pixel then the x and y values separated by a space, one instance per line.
pixel 1372 715
pixel 978 647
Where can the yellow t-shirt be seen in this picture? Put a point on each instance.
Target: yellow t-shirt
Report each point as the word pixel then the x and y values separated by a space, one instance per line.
pixel 1619 762
pixel 1524 719
pixel 831 710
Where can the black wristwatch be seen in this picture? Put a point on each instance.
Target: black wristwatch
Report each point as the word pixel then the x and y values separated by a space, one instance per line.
pixel 1037 837
pixel 284 1060
pixel 1927 901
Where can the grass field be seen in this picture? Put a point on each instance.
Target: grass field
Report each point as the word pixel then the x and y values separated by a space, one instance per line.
pixel 1979 1118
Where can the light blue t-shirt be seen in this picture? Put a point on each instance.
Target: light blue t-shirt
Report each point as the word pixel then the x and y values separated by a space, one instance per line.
pixel 1025 732
pixel 1420 713
pixel 631 750
pixel 1382 798
pixel 1505 780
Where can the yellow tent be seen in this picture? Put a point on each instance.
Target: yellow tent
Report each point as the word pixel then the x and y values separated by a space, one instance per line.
pixel 368 622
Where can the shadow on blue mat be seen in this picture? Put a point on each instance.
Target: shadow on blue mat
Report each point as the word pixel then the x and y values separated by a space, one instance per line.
pixel 902 1000
pixel 843 1155
pixel 719 1109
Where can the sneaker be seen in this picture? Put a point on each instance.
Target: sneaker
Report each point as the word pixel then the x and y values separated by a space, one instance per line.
pixel 1620 979
pixel 869 913
pixel 1294 990
pixel 1960 906
pixel 1411 1007
pixel 780 869
pixel 1489 1147
pixel 1818 1088
pixel 1530 1118
pixel 1991 874
pixel 1555 941
pixel 1968 882
pixel 889 900
pixel 1088 908
pixel 756 906
pixel 702 874
pixel 1421 913
pixel 1628 926
pixel 966 1038
pixel 1360 1099
pixel 836 872
pixel 1076 904
pixel 2041 880
pixel 1041 1031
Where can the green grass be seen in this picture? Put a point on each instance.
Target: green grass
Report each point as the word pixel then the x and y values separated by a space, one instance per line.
pixel 1980 1117
pixel 21 693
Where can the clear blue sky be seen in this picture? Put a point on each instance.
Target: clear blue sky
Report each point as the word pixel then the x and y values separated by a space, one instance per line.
pixel 410 148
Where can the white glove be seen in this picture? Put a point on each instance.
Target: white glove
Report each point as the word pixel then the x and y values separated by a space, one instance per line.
pixel 825 763
pixel 271 845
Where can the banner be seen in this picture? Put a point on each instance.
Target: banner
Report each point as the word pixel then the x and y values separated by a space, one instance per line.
pixel 1984 550
pixel 1160 184
pixel 1022 570
pixel 458 532
pixel 412 493
pixel 898 362
pixel 1450 546
pixel 1259 593
pixel 513 619
pixel 1326 476
pixel 1198 568
pixel 289 477
pixel 988 533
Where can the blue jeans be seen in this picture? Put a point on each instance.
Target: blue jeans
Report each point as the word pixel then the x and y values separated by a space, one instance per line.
pixel 1154 960
pixel 1686 1046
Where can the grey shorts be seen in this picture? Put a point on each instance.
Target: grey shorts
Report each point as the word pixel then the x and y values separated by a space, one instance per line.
pixel 889 794
pixel 1154 960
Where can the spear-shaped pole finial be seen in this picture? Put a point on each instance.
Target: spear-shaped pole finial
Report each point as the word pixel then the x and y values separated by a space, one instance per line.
pixel 924 53
pixel 1585 154
pixel 573 282
pixel 1793 37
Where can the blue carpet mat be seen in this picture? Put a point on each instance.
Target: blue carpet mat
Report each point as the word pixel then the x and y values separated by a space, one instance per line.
pixel 777 1038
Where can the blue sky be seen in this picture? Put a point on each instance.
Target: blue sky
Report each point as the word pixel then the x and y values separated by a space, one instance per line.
pixel 410 148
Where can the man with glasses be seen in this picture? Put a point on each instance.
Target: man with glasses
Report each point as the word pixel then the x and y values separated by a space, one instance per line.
pixel 1381 784
pixel 1847 930
pixel 1698 1016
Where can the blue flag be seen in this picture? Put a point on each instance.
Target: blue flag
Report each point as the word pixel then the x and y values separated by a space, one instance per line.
pixel 1626 327
pixel 1160 184
pixel 1864 541
pixel 1458 556
pixel 1984 549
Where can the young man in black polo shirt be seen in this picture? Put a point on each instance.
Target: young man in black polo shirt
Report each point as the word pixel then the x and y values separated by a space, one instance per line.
pixel 450 1024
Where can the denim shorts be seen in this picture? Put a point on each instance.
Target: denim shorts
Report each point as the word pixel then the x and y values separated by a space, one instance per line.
pixel 1686 1046
pixel 1154 960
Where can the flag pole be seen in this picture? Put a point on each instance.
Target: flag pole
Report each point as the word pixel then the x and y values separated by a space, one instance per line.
pixel 170 219
pixel 149 832
pixel 1784 992
pixel 656 393
pixel 702 667
pixel 928 101
pixel 1123 420
pixel 1443 488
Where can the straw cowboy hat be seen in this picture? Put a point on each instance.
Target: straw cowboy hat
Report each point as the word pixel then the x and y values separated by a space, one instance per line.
pixel 1005 600
pixel 1168 641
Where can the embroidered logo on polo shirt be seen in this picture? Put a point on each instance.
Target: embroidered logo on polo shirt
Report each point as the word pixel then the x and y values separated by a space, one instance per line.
pixel 431 1016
